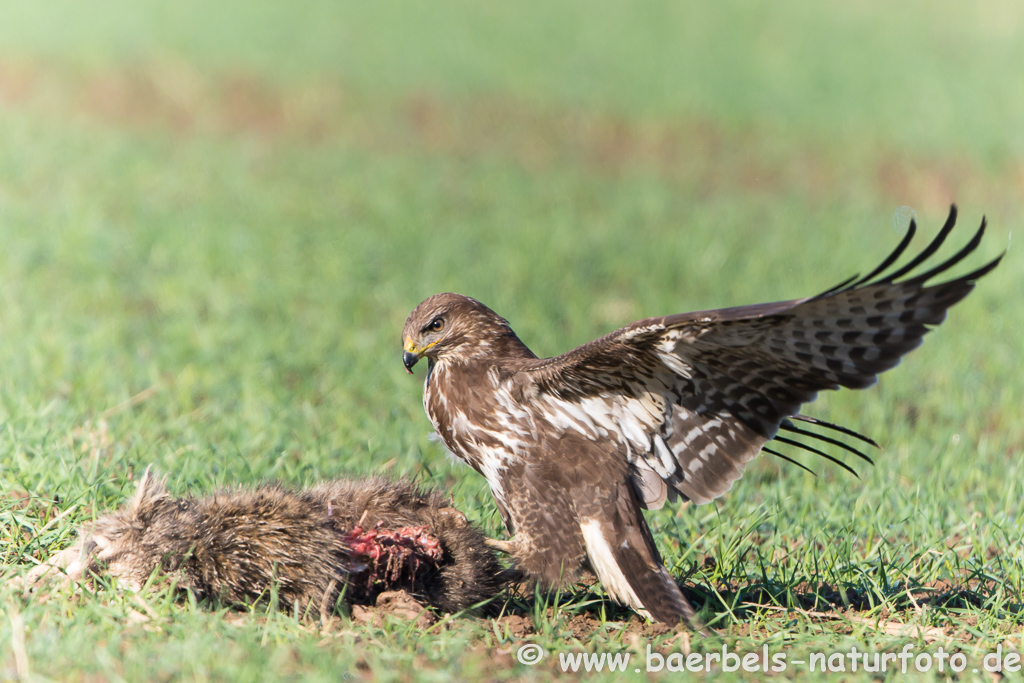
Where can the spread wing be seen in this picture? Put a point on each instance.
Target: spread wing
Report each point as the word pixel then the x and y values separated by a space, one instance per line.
pixel 694 397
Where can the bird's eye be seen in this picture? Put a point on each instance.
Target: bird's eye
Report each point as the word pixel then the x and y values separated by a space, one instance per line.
pixel 437 325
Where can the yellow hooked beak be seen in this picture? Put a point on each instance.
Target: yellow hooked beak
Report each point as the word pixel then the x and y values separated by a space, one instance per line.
pixel 413 354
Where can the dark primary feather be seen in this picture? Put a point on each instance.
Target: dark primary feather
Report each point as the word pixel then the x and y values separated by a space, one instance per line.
pixel 790 427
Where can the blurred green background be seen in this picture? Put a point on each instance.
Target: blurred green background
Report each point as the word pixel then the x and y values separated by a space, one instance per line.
pixel 215 218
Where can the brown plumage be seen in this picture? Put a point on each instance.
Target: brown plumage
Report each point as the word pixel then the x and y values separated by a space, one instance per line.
pixel 574 446
pixel 310 545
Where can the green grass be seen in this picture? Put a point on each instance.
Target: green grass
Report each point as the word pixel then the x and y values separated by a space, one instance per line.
pixel 233 210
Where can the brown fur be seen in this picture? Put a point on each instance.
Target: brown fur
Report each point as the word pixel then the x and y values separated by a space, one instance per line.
pixel 235 545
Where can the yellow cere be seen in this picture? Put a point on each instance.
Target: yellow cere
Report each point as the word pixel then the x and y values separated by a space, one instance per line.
pixel 411 347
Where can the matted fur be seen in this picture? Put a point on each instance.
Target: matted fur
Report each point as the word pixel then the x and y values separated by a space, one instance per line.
pixel 236 545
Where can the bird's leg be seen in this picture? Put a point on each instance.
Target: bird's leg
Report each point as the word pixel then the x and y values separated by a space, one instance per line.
pixel 507 547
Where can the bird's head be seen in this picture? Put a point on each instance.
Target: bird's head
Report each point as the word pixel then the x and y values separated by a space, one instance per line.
pixel 450 325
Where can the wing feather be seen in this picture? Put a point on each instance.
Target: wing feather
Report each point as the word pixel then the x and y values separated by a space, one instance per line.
pixel 719 384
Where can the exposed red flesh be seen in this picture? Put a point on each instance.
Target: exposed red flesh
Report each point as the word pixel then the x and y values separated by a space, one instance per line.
pixel 392 555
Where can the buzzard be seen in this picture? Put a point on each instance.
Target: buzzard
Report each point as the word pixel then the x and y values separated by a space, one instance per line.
pixel 574 447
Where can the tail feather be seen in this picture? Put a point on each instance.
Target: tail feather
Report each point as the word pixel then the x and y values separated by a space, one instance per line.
pixel 632 576
pixel 662 599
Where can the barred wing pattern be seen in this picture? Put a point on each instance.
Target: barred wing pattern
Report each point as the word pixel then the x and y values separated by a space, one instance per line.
pixel 694 397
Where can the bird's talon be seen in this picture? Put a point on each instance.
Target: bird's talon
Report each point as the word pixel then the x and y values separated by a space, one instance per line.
pixel 507 547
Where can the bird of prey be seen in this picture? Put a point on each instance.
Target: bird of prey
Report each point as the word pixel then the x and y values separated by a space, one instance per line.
pixel 574 447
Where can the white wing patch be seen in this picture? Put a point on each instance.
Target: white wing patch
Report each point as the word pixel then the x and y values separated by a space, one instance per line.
pixel 628 420
pixel 666 458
